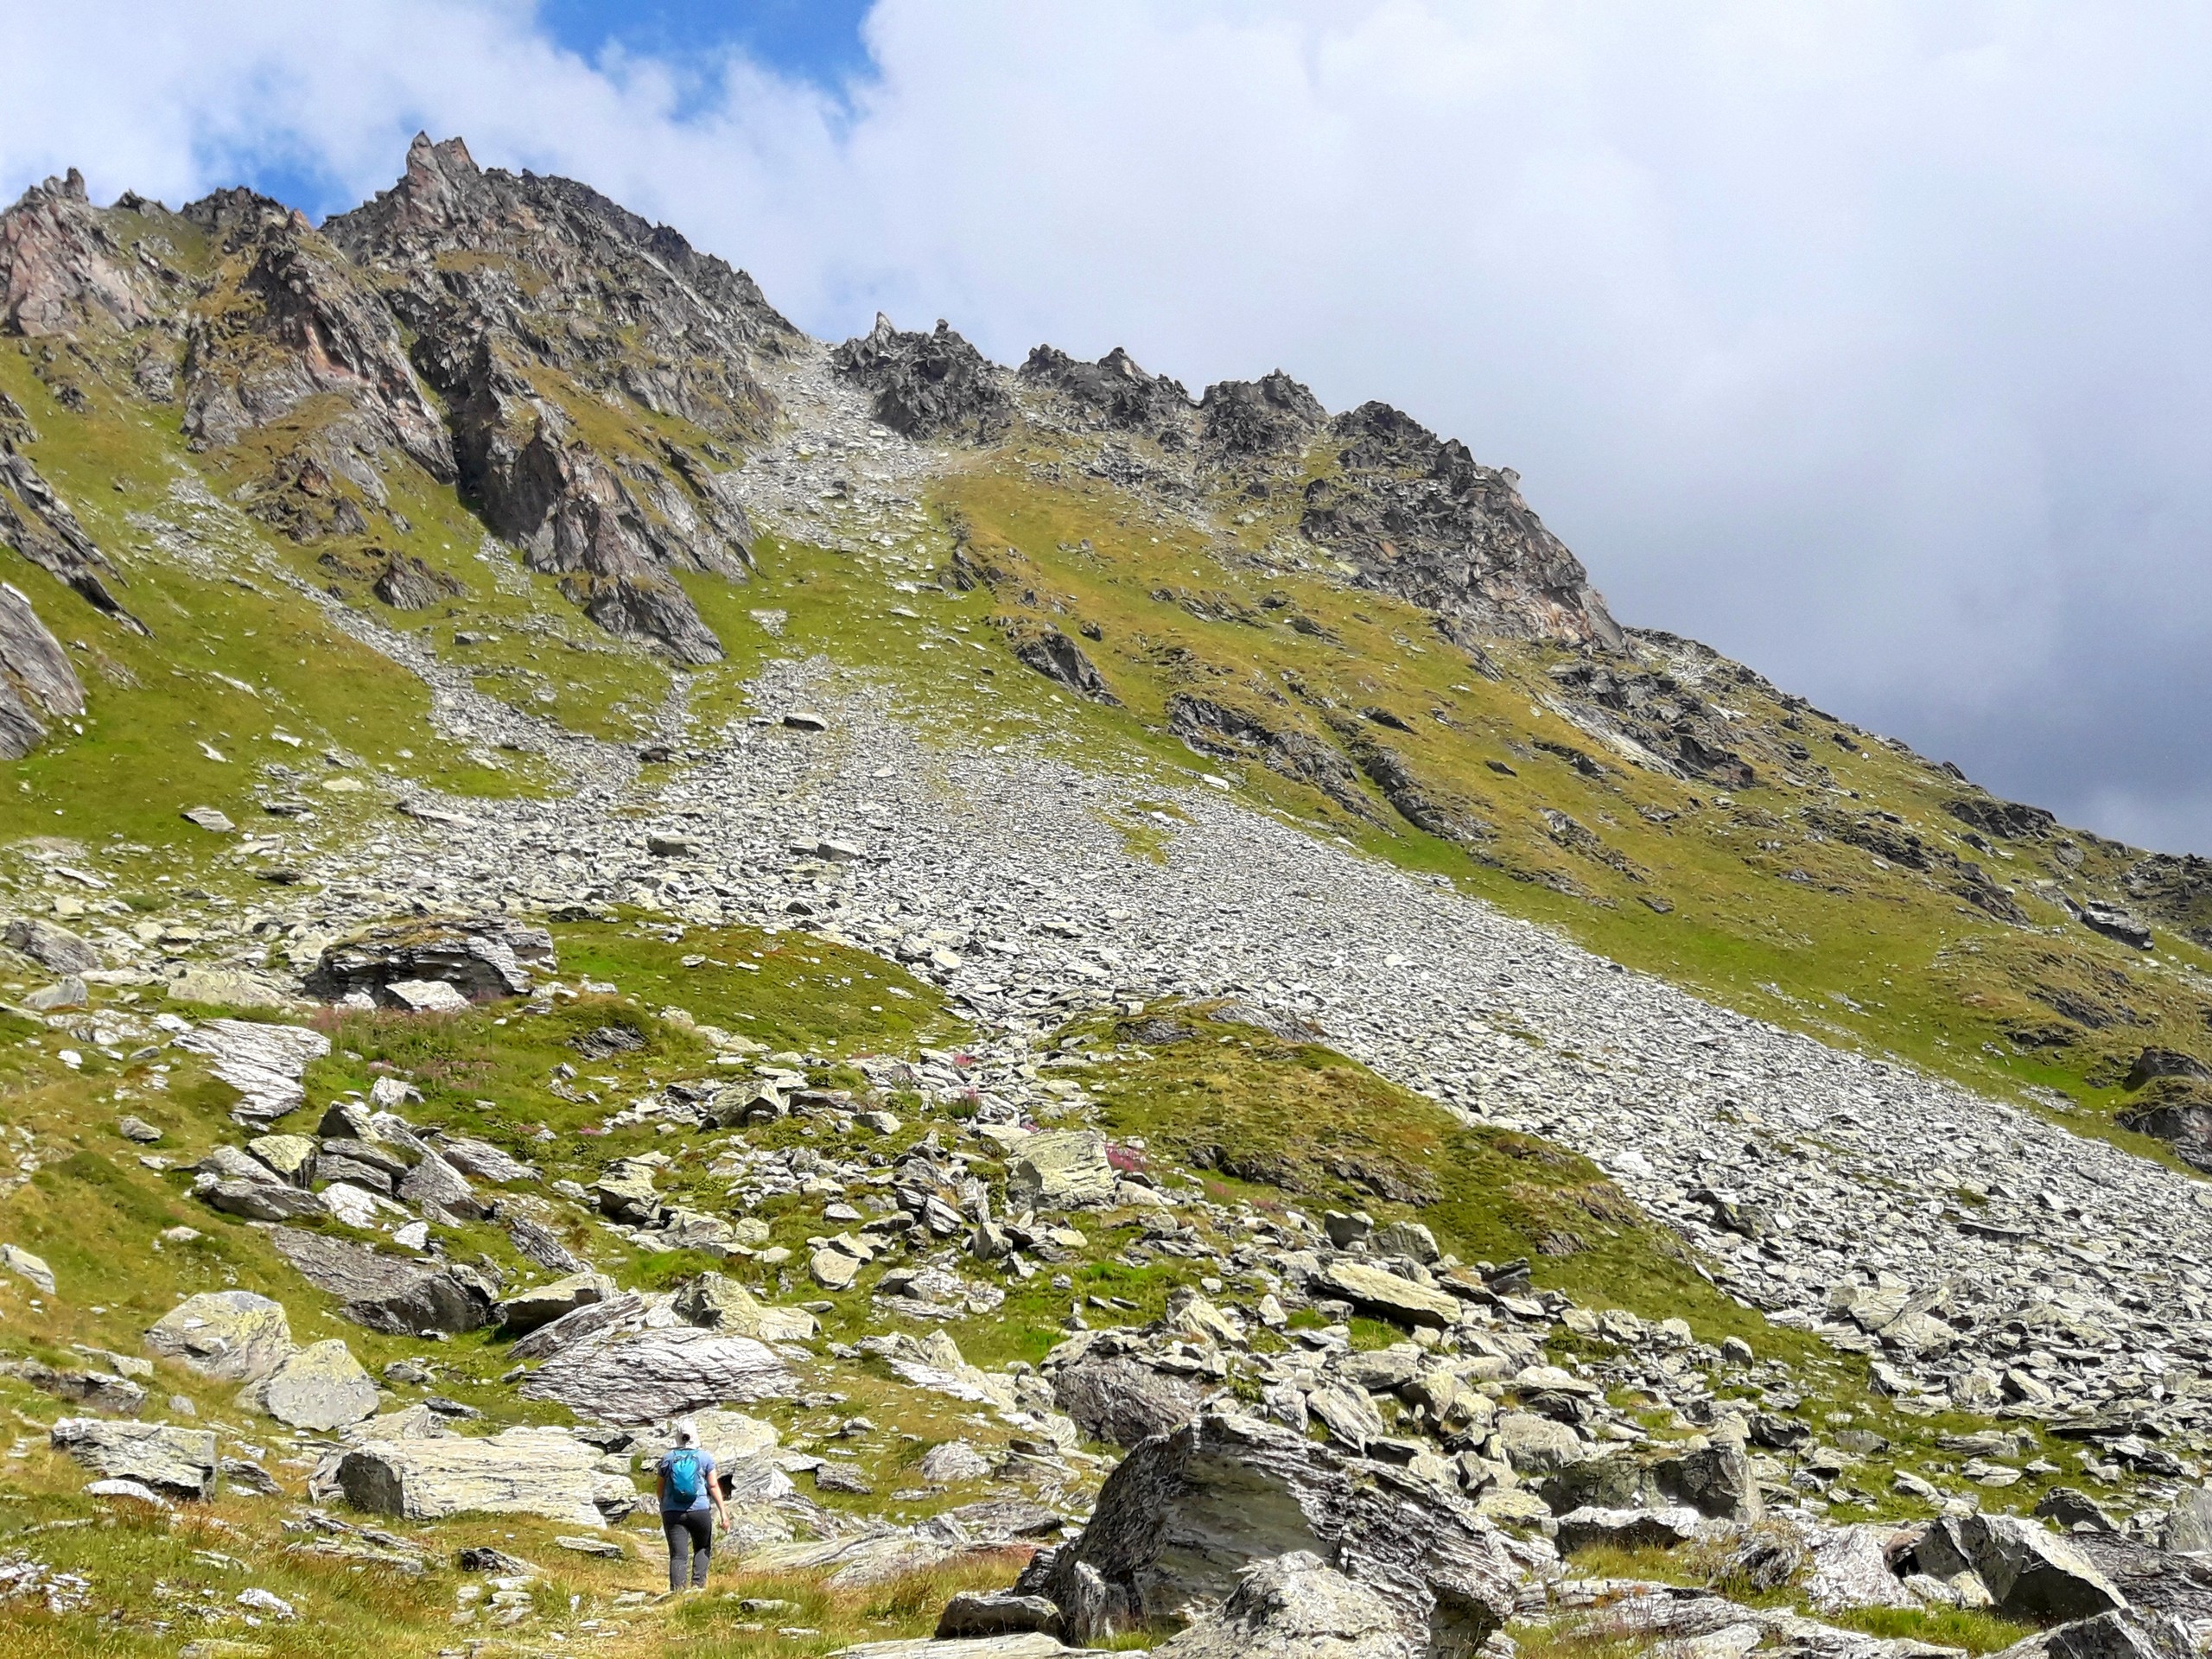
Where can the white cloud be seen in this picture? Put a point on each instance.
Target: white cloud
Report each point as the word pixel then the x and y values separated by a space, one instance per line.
pixel 1865 341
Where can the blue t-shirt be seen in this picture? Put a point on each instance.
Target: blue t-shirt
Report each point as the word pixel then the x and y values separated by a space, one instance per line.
pixel 669 1504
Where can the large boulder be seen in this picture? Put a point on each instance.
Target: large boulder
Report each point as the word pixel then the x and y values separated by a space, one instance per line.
pixel 1297 1607
pixel 522 1471
pixel 385 1293
pixel 261 1200
pixel 1122 1402
pixel 642 1375
pixel 440 1192
pixel 480 956
pixel 717 1303
pixel 51 946
pixel 2030 1573
pixel 572 1328
pixel 540 1305
pixel 1185 1514
pixel 232 1336
pixel 265 1062
pixel 322 1387
pixel 975 1614
pixel 177 1461
pixel 1714 1480
pixel 2108 1635
pixel 1382 1294
pixel 1061 1169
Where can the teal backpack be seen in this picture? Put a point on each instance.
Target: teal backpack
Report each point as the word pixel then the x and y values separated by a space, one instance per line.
pixel 684 1477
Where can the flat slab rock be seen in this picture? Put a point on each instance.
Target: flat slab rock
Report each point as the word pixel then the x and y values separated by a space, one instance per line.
pixel 1031 1646
pixel 387 1293
pixel 178 1462
pixel 642 1375
pixel 522 1471
pixel 264 1063
pixel 1374 1290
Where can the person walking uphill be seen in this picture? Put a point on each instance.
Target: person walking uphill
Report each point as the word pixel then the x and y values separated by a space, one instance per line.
pixel 688 1483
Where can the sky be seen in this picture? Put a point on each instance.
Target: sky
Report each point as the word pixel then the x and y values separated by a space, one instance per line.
pixel 1870 343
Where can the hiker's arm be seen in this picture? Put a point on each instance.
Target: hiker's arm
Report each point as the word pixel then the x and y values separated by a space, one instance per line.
pixel 715 1491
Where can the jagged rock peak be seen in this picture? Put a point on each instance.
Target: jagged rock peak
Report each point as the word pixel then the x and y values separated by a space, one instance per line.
pixel 1113 391
pixel 593 249
pixel 1268 416
pixel 62 271
pixel 933 385
pixel 1416 515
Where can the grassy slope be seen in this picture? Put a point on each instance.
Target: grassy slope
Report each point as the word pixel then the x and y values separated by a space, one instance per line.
pixel 1771 912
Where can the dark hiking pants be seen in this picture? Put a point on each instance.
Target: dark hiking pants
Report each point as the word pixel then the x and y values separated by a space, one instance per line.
pixel 690 1547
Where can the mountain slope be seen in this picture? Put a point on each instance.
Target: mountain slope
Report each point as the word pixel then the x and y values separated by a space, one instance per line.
pixel 909 756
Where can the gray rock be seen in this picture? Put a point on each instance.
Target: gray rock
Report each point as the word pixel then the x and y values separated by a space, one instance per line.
pixel 2188 1525
pixel 1058 658
pixel 1715 1480
pixel 234 1335
pixel 384 1293
pixel 322 1387
pixel 655 1374
pixel 180 1462
pixel 1060 1169
pixel 21 1262
pixel 522 1471
pixel 1407 1238
pixel 1626 1529
pixel 436 1189
pixel 138 1129
pixel 2107 1636
pixel 290 1158
pixel 933 385
pixel 1296 1607
pixel 478 957
pixel 625 1192
pixel 1122 1402
pixel 212 819
pixel 35 676
pixel 263 1062
pixel 1853 1566
pixel 997 1612
pixel 2030 1573
pixel 484 1161
pixel 406 583
pixel 424 996
pixel 1383 1294
pixel 262 1200
pixel 51 946
pixel 952 1463
pixel 572 1328
pixel 1035 1645
pixel 540 1305
pixel 1531 1444
pixel 715 1303
pixel 105 1392
pixel 1184 1514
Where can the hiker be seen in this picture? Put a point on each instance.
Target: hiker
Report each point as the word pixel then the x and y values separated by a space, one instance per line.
pixel 688 1482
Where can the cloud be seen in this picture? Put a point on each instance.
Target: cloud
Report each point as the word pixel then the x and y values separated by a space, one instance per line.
pixel 1865 341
